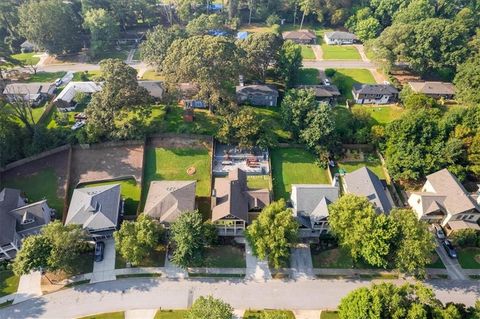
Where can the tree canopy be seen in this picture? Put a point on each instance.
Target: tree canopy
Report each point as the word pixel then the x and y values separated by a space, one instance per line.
pixel 103 30
pixel 154 49
pixel 289 62
pixel 210 308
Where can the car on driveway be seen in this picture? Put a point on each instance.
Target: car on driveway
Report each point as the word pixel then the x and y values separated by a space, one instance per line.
pixel 58 82
pixel 99 251
pixel 78 125
pixel 449 249
pixel 327 82
pixel 439 232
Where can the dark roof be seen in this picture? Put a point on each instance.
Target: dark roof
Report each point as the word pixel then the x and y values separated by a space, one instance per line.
pixel 38 212
pixel 383 89
pixel 363 182
pixel 300 34
pixel 10 199
pixel 433 87
pixel 322 90
pixel 257 89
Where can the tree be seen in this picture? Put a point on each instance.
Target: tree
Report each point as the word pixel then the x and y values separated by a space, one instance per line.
pixel 103 30
pixel 10 135
pixel 273 233
pixel 320 128
pixel 135 240
pixel 289 62
pixel 204 24
pixel 307 6
pixel 34 255
pixel 51 24
pixel 367 29
pixel 154 49
pixel 295 106
pixel 210 308
pixel 416 11
pixel 21 109
pixel 467 81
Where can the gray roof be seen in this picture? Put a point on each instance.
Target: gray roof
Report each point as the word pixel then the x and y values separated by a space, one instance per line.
pixel 322 91
pixel 10 199
pixel 363 182
pixel 95 208
pixel 340 35
pixel 38 212
pixel 167 200
pixel 154 88
pixel 436 88
pixel 382 89
pixel 256 89
pixel 28 88
pixel 431 203
pixel 299 34
pixel 456 198
pixel 72 88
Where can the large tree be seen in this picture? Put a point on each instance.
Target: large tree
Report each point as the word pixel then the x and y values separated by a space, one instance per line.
pixel 154 49
pixel 273 233
pixel 295 107
pixel 210 308
pixel 204 24
pixel 136 239
pixel 103 30
pixel 34 255
pixel 320 128
pixel 467 81
pixel 289 62
pixel 51 24
pixel 10 134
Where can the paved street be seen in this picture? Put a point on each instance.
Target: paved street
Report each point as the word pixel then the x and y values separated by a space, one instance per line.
pixel 147 293
pixel 453 267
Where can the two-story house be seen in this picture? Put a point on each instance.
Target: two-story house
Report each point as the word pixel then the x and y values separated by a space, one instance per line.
pixel 257 95
pixel 374 93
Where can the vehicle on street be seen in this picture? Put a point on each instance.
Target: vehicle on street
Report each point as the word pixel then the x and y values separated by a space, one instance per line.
pixel 78 125
pixel 99 251
pixel 449 249
pixel 439 231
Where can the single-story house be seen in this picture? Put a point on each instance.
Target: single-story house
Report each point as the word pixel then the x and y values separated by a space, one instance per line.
pixel 234 205
pixel 323 93
pixel 167 200
pixel 28 46
pixel 374 93
pixel 34 93
pixel 300 36
pixel 98 209
pixel 444 200
pixel 435 90
pixel 68 93
pixel 154 88
pixel 188 91
pixel 257 95
pixel 310 207
pixel 364 182
pixel 340 37
pixel 19 220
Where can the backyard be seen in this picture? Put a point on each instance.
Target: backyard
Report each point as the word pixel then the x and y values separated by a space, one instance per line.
pixel 355 159
pixel 330 258
pixel 294 166
pixel 469 257
pixel 152 75
pixel 171 314
pixel 308 77
pixel 307 52
pixel 340 52
pixel 8 282
pixel 259 182
pixel 344 79
pixel 273 119
pixel 87 75
pixel 382 115
pixel 45 76
pixel 204 122
pixel 156 258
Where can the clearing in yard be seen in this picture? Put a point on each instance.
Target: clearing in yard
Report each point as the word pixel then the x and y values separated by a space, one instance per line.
pixel 152 75
pixel 156 258
pixel 224 256
pixel 307 52
pixel 87 75
pixel 368 159
pixel 382 115
pixel 256 27
pixel 110 315
pixel 130 191
pixel 469 257
pixel 171 314
pixel 294 166
pixel 308 77
pixel 340 52
pixel 204 122
pixel 46 76
pixel 29 58
pixel 344 79
pixel 257 314
pixel 8 282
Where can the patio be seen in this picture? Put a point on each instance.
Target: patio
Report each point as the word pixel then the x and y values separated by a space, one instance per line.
pixel 228 158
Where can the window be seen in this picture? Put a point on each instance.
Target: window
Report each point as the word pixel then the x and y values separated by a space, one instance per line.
pixel 27 221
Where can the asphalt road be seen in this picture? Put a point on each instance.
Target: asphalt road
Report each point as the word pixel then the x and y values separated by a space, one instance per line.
pixel 146 293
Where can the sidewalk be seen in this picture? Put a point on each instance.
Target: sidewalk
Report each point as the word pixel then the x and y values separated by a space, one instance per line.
pixel 140 314
pixel 29 287
pixel 317 49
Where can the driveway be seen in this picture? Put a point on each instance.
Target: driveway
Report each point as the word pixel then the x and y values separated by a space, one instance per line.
pixel 454 269
pixel 301 262
pixel 256 269
pixel 28 287
pixel 105 269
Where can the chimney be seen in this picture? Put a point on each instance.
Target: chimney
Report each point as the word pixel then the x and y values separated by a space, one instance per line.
pixel 240 80
pixel 214 198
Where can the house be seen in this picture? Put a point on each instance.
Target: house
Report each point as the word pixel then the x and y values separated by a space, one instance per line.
pixel 154 88
pixel 310 207
pixel 300 36
pixel 66 98
pixel 363 182
pixel 444 200
pixel 340 37
pixel 374 93
pixel 167 200
pixel 34 93
pixel 435 90
pixel 323 93
pixel 98 209
pixel 28 46
pixel 234 205
pixel 257 95
pixel 19 220
pixel 188 91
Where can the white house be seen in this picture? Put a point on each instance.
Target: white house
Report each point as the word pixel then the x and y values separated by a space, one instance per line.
pixel 374 93
pixel 339 38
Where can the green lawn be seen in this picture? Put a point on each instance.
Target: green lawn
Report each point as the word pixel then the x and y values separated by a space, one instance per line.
pixel 224 256
pixel 171 314
pixel 258 181
pixel 37 112
pixel 257 314
pixel 371 161
pixel 294 166
pixel 130 190
pixel 383 115
pixel 46 76
pixel 152 75
pixel 121 54
pixel 329 315
pixel 469 257
pixel 87 75
pixel 272 118
pixel 340 52
pixel 344 79
pixel 110 315
pixel 156 258
pixel 436 262
pixel 27 58
pixel 331 258
pixel 8 282
pixel 256 27
pixel 43 184
pixel 204 123
pixel 307 53
pixel 308 77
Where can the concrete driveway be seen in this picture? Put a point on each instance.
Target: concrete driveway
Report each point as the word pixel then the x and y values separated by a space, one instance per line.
pixel 301 262
pixel 256 269
pixel 105 269
pixel 454 269
pixel 29 287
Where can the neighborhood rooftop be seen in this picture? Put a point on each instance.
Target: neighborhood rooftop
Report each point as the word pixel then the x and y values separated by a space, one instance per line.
pixel 380 89
pixel 429 87
pixel 340 35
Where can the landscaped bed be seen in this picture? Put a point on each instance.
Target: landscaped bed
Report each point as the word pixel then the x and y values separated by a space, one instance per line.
pixel 344 79
pixel 294 166
pixel 257 314
pixel 329 315
pixel 224 256
pixel 469 257
pixel 340 52
pixel 171 314
pixel 8 282
pixel 382 115
pixel 156 258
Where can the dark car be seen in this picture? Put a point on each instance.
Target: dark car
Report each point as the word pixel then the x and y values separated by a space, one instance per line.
pixel 99 250
pixel 449 249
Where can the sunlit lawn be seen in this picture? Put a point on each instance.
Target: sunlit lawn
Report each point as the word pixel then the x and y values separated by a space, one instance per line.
pixel 257 314
pixel 340 52
pixel 29 58
pixel 383 114
pixel 469 258
pixel 307 52
pixel 92 75
pixel 110 315
pixel 258 181
pixel 45 76
pixel 152 75
pixel 8 282
pixel 204 122
pixel 171 314
pixel 344 79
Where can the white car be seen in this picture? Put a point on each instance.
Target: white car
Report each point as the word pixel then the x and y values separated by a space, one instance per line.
pixel 58 82
pixel 78 125
pixel 439 232
pixel 327 82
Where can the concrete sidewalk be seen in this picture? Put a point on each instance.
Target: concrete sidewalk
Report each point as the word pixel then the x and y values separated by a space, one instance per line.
pixel 140 314
pixel 29 287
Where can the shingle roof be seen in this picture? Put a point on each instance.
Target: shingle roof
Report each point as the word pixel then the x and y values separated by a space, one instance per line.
pixel 167 200
pixel 299 34
pixel 363 182
pixel 27 88
pixel 95 208
pixel 256 89
pixel 322 91
pixel 462 224
pixel 341 35
pixel 10 199
pixel 72 88
pixel 382 89
pixel 39 212
pixel 154 88
pixel 440 88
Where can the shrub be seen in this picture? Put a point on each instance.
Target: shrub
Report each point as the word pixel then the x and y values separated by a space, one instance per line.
pixel 330 72
pixel 273 19
pixel 466 238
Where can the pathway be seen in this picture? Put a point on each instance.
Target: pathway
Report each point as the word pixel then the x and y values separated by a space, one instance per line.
pixel 361 49
pixel 29 287
pixel 105 269
pixel 131 53
pixel 174 272
pixel 454 269
pixel 256 269
pixel 317 49
pixel 301 262
pixel 307 314
pixel 378 76
pixel 140 314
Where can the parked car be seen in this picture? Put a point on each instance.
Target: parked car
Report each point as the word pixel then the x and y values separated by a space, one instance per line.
pixel 449 249
pixel 78 125
pixel 99 251
pixel 80 116
pixel 58 82
pixel 439 232
pixel 327 82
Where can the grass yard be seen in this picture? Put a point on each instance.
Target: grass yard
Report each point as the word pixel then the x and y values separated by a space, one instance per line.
pixel 156 258
pixel 256 28
pixel 308 77
pixel 29 58
pixel 204 123
pixel 344 79
pixel 331 258
pixel 121 54
pixel 8 282
pixel 436 262
pixel 130 190
pixel 257 314
pixel 110 315
pixel 469 257
pixel 272 118
pixel 224 256
pixel 43 184
pixel 171 314
pixel 87 75
pixel 37 113
pixel 258 181
pixel 152 75
pixel 371 161
pixel 294 166
pixel 329 315
pixel 383 115
pixel 45 76
pixel 307 53
pixel 340 52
